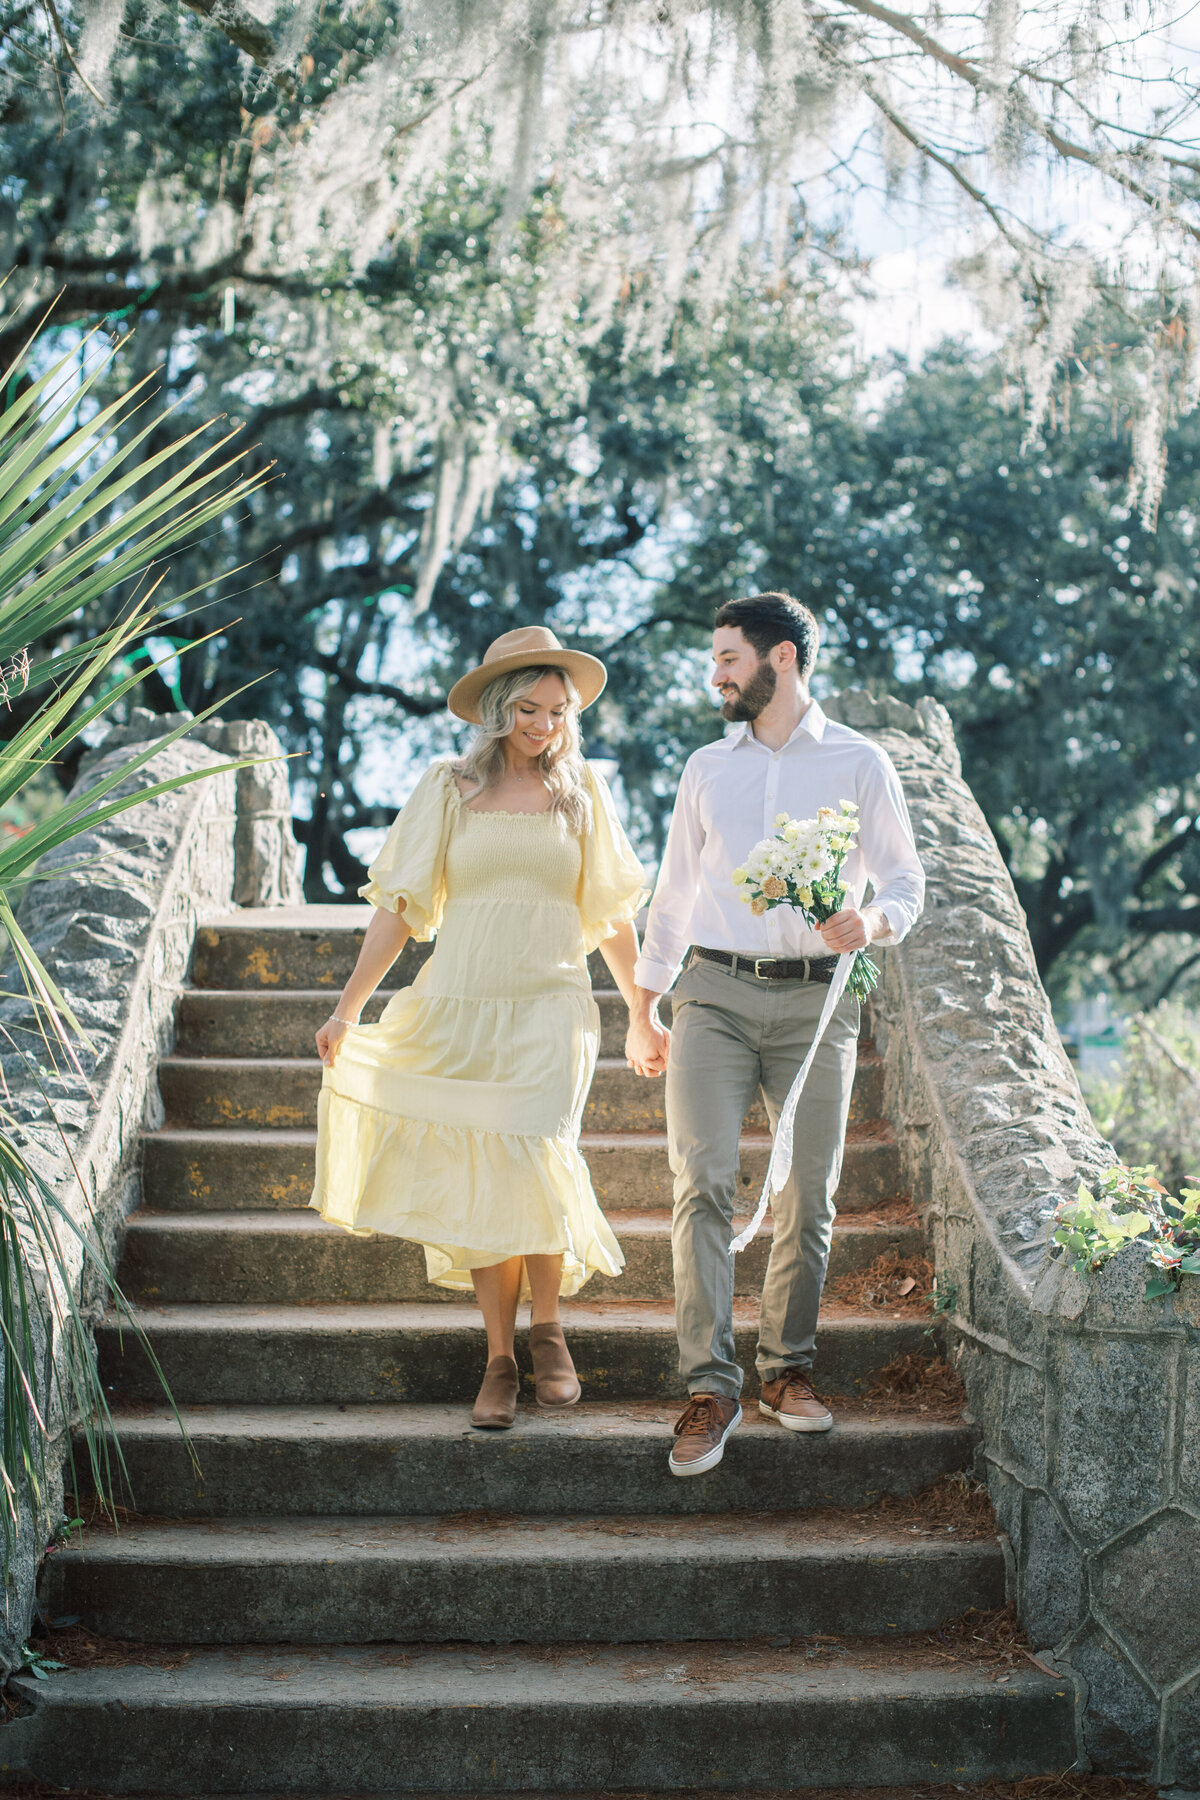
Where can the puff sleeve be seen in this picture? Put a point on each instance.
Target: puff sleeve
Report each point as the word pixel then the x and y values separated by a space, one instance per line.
pixel 612 883
pixel 409 871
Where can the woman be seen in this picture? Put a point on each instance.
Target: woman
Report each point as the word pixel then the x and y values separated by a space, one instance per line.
pixel 454 1122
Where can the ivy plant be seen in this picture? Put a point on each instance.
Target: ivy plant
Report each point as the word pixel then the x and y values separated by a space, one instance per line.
pixel 1131 1205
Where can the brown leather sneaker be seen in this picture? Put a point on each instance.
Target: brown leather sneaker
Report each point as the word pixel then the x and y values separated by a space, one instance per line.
pixel 700 1433
pixel 794 1401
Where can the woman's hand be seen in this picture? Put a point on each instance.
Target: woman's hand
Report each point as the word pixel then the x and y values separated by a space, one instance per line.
pixel 329 1039
pixel 647 1042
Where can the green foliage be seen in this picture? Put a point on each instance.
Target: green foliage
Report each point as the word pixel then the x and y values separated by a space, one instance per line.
pixel 942 1300
pixel 81 514
pixel 38 1664
pixel 1131 1205
pixel 1149 1106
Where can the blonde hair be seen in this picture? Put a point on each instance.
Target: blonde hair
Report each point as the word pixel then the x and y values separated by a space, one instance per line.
pixel 561 763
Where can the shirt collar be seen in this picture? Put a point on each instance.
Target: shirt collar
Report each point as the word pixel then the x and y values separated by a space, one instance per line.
pixel 811 725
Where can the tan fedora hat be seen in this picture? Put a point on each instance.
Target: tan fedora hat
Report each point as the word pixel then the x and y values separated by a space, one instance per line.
pixel 528 648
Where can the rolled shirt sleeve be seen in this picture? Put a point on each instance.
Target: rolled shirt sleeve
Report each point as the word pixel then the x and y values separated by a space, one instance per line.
pixel 668 926
pixel 885 838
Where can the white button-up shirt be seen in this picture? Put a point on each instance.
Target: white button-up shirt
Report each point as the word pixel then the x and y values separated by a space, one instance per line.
pixel 728 799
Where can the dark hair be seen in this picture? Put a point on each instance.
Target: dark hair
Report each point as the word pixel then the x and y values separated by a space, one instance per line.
pixel 769 619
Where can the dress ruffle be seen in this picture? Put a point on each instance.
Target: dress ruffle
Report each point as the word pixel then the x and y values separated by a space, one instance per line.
pixel 409 1177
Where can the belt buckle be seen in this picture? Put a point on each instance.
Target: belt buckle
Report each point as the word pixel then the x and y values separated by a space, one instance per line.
pixel 758 974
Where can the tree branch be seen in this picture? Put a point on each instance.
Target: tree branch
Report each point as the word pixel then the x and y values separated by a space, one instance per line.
pixel 947 163
pixel 971 73
pixel 249 34
pixel 417 705
pixel 1165 851
pixel 1151 919
pixel 1175 977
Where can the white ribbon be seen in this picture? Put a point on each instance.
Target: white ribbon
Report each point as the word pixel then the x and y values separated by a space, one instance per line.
pixel 780 1165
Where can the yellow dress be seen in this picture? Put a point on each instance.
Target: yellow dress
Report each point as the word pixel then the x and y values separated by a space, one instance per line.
pixel 454 1121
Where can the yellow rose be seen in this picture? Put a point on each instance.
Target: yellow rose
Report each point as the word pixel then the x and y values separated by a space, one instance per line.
pixel 739 876
pixel 805 896
pixel 781 818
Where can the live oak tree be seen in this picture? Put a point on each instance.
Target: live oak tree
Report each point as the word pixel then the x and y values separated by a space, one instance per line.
pixel 537 317
pixel 283 160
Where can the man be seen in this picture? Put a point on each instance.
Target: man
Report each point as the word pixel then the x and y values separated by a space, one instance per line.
pixel 747 1004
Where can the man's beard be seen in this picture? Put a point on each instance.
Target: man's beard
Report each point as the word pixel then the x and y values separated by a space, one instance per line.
pixel 750 700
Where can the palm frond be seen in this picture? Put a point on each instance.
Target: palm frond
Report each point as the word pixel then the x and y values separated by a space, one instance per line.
pixel 89 507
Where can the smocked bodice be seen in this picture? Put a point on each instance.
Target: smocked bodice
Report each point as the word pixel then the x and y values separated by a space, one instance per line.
pixel 510 920
pixel 511 858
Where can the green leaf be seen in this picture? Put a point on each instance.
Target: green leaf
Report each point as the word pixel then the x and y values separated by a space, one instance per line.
pixel 80 514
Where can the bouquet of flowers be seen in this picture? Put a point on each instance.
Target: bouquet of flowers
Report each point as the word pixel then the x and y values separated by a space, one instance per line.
pixel 801 866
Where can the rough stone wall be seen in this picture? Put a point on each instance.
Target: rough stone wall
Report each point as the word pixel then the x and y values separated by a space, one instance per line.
pixel 1086 1395
pixel 112 917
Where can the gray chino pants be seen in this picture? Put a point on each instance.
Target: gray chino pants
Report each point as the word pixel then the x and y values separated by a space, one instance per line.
pixel 730 1035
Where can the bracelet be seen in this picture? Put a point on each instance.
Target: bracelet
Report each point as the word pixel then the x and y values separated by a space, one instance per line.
pixel 338 1017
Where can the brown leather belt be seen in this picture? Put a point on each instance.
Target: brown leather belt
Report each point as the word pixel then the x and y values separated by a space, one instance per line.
pixel 773 968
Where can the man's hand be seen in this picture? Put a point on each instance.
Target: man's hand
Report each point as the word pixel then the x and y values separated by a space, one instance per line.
pixel 647 1042
pixel 854 928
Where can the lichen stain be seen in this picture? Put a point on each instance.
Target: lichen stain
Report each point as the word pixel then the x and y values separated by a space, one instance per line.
pixel 239 1113
pixel 261 965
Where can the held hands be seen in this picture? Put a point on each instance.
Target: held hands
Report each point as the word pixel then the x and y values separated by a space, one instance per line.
pixel 647 1044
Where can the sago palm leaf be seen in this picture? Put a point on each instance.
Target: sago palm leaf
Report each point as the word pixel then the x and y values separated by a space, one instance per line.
pixel 83 512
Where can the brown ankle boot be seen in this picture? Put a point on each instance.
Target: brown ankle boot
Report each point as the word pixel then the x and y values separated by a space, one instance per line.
pixel 553 1371
pixel 496 1407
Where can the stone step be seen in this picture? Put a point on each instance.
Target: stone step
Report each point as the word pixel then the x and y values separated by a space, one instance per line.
pixel 274 1093
pixel 279 1580
pixel 291 1355
pixel 307 947
pixel 284 1022
pixel 598 1458
pixel 455 1720
pixel 258 1021
pixel 303 947
pixel 227 1169
pixel 269 1257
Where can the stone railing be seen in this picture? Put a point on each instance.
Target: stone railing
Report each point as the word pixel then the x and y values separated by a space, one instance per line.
pixel 1086 1395
pixel 116 936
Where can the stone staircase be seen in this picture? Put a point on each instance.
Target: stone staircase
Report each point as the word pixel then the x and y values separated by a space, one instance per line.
pixel 361 1594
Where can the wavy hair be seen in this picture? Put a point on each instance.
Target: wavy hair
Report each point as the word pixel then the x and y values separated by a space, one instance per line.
pixel 561 762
